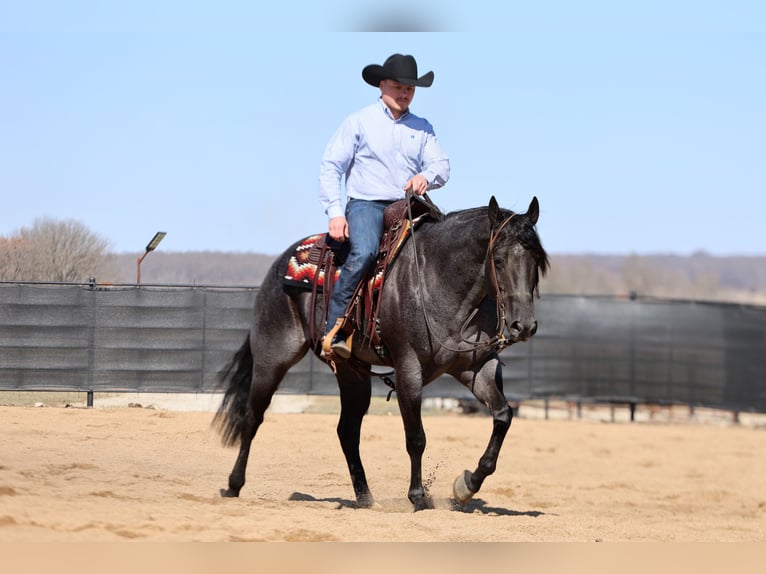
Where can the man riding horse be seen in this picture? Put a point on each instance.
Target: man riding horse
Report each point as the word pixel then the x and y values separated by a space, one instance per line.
pixel 381 152
pixel 462 289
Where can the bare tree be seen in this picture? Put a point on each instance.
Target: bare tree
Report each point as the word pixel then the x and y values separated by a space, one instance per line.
pixel 53 250
pixel 13 257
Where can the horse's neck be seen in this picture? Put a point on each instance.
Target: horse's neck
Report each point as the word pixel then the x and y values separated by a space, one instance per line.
pixel 454 250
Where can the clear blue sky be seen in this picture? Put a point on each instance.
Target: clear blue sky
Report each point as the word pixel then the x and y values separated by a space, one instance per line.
pixel 639 125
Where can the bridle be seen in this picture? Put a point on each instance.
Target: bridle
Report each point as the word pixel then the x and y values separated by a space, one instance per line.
pixel 499 341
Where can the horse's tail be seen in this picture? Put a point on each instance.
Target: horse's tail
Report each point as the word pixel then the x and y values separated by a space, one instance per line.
pixel 231 414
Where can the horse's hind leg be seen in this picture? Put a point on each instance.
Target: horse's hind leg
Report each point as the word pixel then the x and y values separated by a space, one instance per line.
pixel 355 390
pixel 486 385
pixel 264 385
pixel 237 477
pixel 277 343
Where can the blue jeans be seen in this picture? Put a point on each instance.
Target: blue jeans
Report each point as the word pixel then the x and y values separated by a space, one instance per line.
pixel 365 228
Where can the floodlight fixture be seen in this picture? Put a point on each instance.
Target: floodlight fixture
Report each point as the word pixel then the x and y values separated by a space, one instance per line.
pixel 151 246
pixel 159 236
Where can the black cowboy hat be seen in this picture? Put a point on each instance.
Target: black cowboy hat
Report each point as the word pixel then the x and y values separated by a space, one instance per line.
pixel 401 68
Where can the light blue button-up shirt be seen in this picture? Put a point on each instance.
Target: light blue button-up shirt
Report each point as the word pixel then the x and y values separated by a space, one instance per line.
pixel 378 155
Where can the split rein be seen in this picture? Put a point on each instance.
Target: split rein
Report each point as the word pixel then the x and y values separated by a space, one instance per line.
pixel 499 341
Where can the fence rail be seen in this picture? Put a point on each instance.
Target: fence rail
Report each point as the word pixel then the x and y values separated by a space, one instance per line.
pixel 94 338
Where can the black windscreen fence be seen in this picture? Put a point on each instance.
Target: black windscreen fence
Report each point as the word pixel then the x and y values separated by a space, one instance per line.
pixel 644 351
pixel 174 339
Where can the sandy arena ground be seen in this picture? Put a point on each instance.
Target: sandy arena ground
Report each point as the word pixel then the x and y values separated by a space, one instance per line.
pixel 153 474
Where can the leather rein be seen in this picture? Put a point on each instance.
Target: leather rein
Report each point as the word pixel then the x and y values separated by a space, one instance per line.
pixel 499 341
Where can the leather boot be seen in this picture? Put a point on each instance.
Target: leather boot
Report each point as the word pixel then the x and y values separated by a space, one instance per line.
pixel 335 343
pixel 341 346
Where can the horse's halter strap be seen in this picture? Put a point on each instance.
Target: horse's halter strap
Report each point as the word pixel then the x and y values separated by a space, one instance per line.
pixel 499 341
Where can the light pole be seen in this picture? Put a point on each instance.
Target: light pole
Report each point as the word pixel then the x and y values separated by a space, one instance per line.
pixel 152 245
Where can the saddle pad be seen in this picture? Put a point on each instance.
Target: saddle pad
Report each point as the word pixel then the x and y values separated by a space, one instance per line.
pixel 304 263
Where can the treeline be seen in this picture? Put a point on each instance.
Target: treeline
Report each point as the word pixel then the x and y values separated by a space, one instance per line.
pixel 696 277
pixel 66 251
pixel 190 268
pixel 700 277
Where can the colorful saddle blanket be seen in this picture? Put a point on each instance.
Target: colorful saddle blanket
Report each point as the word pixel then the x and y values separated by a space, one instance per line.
pixel 306 264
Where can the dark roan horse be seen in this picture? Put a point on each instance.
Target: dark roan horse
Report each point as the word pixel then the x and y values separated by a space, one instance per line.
pixel 461 289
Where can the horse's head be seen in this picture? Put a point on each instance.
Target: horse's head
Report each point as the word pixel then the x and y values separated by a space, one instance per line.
pixel 515 261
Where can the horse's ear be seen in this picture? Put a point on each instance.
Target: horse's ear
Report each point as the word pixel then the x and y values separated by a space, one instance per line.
pixel 494 212
pixel 533 212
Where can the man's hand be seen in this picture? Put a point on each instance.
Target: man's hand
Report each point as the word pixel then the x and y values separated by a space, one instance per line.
pixel 339 228
pixel 418 185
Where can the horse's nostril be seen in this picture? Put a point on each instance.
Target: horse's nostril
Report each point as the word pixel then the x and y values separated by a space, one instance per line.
pixel 519 329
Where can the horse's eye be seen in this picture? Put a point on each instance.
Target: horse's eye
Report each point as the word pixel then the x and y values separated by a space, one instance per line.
pixel 499 263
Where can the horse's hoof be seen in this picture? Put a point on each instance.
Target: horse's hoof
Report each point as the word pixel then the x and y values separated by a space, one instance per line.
pixel 229 493
pixel 365 502
pixel 424 503
pixel 460 489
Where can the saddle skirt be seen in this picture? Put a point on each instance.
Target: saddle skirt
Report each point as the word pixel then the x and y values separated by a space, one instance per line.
pixel 316 262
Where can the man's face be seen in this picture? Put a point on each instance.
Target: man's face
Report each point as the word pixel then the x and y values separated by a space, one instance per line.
pixel 396 96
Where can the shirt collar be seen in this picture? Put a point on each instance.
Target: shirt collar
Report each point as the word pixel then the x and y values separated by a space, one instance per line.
pixel 388 111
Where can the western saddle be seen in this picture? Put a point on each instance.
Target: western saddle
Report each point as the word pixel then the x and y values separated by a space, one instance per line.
pixel 400 219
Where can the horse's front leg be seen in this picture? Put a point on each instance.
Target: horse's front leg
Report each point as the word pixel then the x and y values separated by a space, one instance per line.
pixel 409 394
pixel 486 385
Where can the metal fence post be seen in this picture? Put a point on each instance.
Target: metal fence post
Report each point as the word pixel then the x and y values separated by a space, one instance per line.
pixel 90 378
pixel 204 341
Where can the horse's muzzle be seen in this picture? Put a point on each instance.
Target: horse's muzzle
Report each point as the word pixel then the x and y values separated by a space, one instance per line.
pixel 521 331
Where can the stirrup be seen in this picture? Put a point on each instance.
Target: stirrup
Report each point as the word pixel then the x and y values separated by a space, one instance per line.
pixel 337 350
pixel 342 347
pixel 327 341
